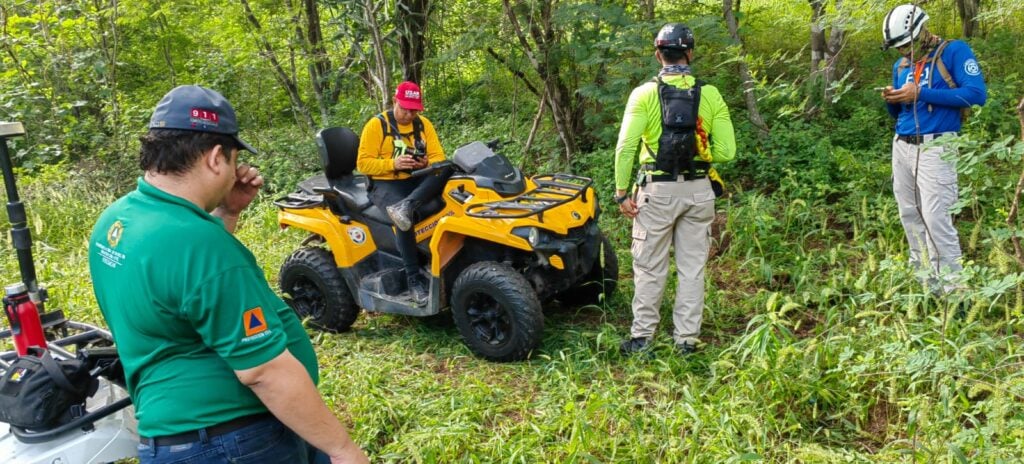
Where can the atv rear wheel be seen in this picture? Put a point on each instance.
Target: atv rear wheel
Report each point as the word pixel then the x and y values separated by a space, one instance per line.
pixel 497 312
pixel 314 288
pixel 602 279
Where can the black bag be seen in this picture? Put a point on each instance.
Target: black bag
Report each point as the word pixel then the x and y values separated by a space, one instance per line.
pixel 677 146
pixel 38 392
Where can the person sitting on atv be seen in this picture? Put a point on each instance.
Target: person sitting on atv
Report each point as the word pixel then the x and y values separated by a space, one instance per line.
pixel 392 145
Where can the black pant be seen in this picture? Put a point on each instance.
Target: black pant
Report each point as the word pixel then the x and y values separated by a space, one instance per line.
pixel 421 189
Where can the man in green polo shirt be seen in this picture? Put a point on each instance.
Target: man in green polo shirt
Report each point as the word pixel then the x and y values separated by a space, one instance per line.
pixel 678 127
pixel 217 365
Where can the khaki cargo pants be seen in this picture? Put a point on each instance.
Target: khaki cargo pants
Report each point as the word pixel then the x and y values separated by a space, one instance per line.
pixel 676 214
pixel 924 204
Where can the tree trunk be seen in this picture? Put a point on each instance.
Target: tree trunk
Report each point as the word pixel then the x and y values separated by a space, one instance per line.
pixel 836 41
pixel 748 79
pixel 379 72
pixel 817 34
pixel 968 10
pixel 515 72
pixel 413 16
pixel 303 116
pixel 109 43
pixel 533 128
pixel 568 121
pixel 647 10
pixel 165 48
pixel 339 74
pixel 315 39
pixel 825 50
pixel 304 38
pixel 319 62
pixel 1011 218
pixel 7 42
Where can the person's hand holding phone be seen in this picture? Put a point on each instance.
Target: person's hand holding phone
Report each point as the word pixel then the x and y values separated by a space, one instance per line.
pixel 906 94
pixel 421 160
pixel 406 163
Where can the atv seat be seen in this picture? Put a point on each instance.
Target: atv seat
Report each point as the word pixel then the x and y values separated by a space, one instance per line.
pixel 339 147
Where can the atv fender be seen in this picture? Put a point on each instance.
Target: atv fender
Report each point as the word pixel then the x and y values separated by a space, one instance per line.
pixel 445 247
pixel 450 236
pixel 349 243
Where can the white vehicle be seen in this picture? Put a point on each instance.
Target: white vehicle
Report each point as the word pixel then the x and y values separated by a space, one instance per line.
pixel 105 431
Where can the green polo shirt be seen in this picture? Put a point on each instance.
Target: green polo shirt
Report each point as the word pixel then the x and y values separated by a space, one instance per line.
pixel 641 127
pixel 188 306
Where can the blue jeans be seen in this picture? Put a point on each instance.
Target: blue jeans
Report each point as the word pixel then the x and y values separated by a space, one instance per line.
pixel 267 441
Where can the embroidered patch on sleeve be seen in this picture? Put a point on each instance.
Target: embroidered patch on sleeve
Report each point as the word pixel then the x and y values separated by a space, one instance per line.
pixel 971 67
pixel 253 321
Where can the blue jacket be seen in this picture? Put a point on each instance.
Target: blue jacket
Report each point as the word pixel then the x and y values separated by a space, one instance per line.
pixel 945 103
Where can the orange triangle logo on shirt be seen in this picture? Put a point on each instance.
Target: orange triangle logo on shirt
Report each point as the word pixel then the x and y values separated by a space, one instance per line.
pixel 253 321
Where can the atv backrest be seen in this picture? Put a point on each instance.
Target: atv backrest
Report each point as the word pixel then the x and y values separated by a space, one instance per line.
pixel 339 147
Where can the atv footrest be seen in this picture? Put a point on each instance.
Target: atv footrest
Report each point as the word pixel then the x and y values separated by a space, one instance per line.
pixel 387 282
pixel 385 292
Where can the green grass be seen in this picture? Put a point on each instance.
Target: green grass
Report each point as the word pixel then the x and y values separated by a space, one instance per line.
pixel 820 347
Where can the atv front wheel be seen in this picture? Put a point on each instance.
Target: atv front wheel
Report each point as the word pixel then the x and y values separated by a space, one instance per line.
pixel 314 288
pixel 497 312
pixel 602 279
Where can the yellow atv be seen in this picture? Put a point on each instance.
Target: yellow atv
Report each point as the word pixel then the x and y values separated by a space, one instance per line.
pixel 497 244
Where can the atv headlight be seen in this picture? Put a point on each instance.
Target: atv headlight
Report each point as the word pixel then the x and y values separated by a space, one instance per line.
pixel 532 235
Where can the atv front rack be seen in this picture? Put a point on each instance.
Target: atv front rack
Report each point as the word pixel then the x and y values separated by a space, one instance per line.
pixel 552 191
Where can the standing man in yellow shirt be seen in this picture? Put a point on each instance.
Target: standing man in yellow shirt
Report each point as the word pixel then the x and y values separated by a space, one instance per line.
pixel 392 145
pixel 678 127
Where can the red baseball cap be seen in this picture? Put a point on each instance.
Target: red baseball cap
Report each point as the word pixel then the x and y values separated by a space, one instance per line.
pixel 409 96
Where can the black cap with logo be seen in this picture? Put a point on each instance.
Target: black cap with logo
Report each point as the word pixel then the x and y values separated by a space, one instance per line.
pixel 195 108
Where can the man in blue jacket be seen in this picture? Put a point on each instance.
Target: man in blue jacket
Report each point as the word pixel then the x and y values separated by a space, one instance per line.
pixel 934 82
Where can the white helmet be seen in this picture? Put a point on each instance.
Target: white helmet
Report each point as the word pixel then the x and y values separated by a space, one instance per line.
pixel 902 25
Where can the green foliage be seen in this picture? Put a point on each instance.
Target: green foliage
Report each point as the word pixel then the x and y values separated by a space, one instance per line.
pixel 821 344
pixel 840 357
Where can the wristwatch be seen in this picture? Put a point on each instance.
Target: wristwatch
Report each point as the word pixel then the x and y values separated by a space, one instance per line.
pixel 621 199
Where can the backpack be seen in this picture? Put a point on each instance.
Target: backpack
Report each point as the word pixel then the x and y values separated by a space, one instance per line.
pixel 935 64
pixel 387 121
pixel 677 146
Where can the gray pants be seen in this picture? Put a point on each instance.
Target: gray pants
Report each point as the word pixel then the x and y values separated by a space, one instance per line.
pixel 677 214
pixel 924 205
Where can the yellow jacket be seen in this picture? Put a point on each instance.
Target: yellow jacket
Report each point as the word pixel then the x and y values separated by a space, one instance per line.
pixel 376 147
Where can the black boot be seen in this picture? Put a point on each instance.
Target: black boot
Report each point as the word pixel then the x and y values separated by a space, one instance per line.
pixel 402 214
pixel 635 345
pixel 686 348
pixel 418 288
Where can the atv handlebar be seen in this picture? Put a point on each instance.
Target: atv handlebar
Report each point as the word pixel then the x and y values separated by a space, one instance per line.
pixel 496 144
pixel 435 167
